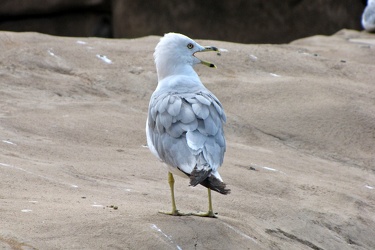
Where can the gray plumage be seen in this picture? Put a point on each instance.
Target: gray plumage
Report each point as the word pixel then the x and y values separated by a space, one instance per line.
pixel 186 129
pixel 185 120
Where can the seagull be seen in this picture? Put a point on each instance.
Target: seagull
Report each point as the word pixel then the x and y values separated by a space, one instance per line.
pixel 185 120
pixel 368 16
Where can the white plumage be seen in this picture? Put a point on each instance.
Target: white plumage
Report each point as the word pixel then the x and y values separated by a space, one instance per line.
pixel 185 120
pixel 368 16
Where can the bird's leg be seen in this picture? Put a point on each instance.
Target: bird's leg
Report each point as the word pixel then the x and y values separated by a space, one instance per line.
pixel 174 209
pixel 210 212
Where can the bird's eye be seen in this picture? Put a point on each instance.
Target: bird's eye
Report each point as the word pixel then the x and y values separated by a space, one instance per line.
pixel 190 46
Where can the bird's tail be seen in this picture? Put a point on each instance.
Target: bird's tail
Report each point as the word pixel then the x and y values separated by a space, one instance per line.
pixel 215 184
pixel 204 177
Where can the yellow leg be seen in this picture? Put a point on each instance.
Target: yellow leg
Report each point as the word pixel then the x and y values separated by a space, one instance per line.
pixel 210 212
pixel 174 208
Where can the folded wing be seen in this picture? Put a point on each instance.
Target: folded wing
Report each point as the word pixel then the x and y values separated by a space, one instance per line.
pixel 186 131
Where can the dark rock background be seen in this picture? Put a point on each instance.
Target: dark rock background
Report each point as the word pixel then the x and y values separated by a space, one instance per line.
pixel 244 21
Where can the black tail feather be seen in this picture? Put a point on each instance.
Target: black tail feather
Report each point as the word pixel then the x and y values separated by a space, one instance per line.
pixel 215 184
pixel 206 179
pixel 197 176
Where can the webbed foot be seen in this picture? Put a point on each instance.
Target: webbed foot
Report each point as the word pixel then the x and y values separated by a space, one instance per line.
pixel 208 214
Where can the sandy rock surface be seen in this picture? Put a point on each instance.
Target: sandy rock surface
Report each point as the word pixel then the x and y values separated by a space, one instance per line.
pixel 75 172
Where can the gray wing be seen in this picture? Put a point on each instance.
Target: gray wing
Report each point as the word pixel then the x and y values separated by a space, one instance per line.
pixel 187 129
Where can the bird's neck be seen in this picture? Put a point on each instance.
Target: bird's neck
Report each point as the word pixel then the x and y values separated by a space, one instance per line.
pixel 175 69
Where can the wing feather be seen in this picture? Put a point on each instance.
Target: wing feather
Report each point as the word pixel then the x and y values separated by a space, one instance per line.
pixel 210 126
pixel 203 99
pixel 162 104
pixel 191 126
pixel 175 107
pixel 175 130
pixel 165 119
pixel 186 114
pixel 200 110
pixel 186 129
pixel 195 140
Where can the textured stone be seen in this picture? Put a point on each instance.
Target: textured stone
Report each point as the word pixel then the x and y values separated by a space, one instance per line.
pixel 300 146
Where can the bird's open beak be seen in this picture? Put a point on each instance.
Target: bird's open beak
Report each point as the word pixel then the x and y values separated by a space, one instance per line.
pixel 209 48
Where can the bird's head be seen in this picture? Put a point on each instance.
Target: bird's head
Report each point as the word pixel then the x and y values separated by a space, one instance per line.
pixel 176 51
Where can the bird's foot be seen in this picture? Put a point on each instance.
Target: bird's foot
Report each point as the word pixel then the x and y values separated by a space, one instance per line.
pixel 175 213
pixel 208 214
